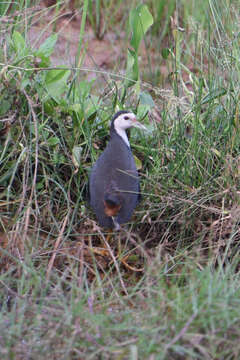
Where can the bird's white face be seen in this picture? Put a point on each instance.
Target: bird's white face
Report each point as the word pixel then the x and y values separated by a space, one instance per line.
pixel 124 122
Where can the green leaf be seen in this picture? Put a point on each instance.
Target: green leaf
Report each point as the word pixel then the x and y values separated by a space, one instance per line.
pixel 165 53
pixel 138 162
pixel 56 75
pixel 132 72
pixel 85 88
pixel 19 43
pixel 56 82
pixel 140 20
pixel 145 104
pixel 146 99
pixel 58 158
pixel 75 107
pixel 142 111
pixel 25 82
pixel 47 47
pixel 53 141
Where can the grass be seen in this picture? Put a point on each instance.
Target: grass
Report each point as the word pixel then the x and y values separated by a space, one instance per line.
pixel 167 286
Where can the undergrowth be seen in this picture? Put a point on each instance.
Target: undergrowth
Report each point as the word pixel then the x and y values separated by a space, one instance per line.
pixel 167 285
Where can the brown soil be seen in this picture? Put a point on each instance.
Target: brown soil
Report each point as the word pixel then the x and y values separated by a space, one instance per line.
pixel 96 54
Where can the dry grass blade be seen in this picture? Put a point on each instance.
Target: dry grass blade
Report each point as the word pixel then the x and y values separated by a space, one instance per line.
pixel 56 246
pixel 114 261
pixel 129 267
pixel 182 332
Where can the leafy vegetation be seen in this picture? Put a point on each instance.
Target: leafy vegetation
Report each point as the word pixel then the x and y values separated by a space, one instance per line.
pixel 166 286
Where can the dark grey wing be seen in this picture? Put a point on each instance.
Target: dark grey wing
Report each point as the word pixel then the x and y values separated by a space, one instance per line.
pixel 98 179
pixel 130 199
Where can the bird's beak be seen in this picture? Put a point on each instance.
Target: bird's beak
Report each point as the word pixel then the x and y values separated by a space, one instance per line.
pixel 137 124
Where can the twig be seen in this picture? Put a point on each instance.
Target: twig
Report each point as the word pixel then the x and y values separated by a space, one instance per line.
pixel 182 331
pixel 51 262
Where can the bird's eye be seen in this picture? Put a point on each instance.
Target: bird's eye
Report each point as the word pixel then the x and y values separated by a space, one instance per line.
pixel 126 118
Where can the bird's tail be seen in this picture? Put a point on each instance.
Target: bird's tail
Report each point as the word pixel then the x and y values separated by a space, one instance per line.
pixel 112 204
pixel 112 199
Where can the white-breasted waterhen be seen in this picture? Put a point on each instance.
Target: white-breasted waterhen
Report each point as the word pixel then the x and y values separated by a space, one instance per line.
pixel 114 183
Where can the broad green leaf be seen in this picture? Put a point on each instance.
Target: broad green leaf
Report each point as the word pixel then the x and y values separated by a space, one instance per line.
pixel 56 82
pixel 47 47
pixel 142 111
pixel 140 20
pixel 145 104
pixel 132 72
pixel 146 99
pixel 56 75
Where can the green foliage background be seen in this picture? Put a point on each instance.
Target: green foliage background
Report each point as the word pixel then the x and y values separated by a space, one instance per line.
pixel 167 286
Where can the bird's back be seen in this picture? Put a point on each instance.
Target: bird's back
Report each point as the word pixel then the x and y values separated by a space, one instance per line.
pixel 114 173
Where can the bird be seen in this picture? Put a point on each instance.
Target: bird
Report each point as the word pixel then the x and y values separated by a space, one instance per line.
pixel 114 187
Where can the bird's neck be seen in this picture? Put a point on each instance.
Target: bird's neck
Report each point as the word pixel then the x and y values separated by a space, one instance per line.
pixel 123 135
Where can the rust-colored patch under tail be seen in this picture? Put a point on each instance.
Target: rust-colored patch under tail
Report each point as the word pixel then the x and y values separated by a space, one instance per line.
pixel 111 208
